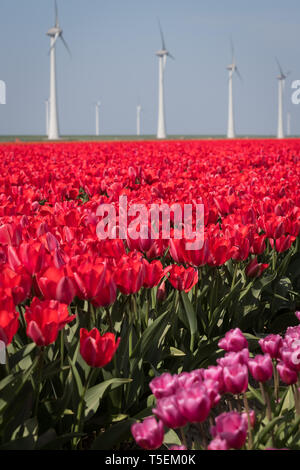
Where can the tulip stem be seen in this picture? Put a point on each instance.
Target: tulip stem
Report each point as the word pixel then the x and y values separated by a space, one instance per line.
pixel 183 438
pixel 61 356
pixel 267 400
pixel 39 379
pixel 109 319
pixel 234 276
pixel 250 439
pixel 78 422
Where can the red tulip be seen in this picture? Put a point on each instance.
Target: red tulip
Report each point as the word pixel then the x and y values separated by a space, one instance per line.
pixel 45 319
pixel 183 279
pixel 255 269
pixel 130 274
pixel 97 350
pixel 95 283
pixel 9 324
pixel 57 284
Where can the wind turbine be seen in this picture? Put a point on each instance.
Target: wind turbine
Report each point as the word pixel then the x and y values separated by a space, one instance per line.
pixel 162 55
pixel 47 116
pixel 54 33
pixel 281 81
pixel 138 119
pixel 97 107
pixel 288 124
pixel 231 69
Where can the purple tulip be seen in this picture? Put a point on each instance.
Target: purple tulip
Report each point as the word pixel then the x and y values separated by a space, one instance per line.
pixel 297 315
pixel 287 375
pixel 235 378
pixel 212 388
pixel 194 403
pixel 261 367
pixel 271 345
pixel 187 379
pixel 232 428
pixel 230 358
pixel 149 434
pixel 168 411
pixel 218 444
pixel 177 448
pixel 215 373
pixel 234 341
pixel 164 385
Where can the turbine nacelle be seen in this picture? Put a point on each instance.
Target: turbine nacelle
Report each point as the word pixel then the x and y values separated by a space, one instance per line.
pixel 55 31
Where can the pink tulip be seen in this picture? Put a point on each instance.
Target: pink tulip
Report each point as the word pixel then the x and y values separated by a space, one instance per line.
pixel 261 367
pixel 234 341
pixel 271 345
pixel 230 358
pixel 194 403
pixel 177 448
pixel 215 374
pixel 164 385
pixel 232 428
pixel 168 411
pixel 235 378
pixel 287 375
pixel 218 444
pixel 149 434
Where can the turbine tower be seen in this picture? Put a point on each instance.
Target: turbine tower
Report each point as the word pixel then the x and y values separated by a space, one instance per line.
pixel 231 69
pixel 281 81
pixel 288 124
pixel 138 119
pixel 97 107
pixel 47 117
pixel 54 33
pixel 162 56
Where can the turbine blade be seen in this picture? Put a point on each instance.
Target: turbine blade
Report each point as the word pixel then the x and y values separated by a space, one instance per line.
pixel 232 50
pixel 161 35
pixel 171 56
pixel 56 13
pixel 279 66
pixel 65 44
pixel 238 74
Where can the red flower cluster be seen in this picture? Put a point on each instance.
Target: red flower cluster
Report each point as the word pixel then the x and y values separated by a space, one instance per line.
pixel 49 214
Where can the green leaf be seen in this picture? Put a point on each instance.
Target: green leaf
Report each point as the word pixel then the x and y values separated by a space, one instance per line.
pixel 76 377
pixel 21 354
pixel 151 336
pixel 171 438
pixel 176 352
pixel 266 431
pixel 113 436
pixel 190 313
pixel 94 394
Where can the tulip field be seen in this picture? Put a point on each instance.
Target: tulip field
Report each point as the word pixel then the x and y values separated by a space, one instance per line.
pixel 137 342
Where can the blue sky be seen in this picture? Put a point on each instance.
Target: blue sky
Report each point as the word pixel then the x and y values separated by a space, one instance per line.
pixel 113 44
